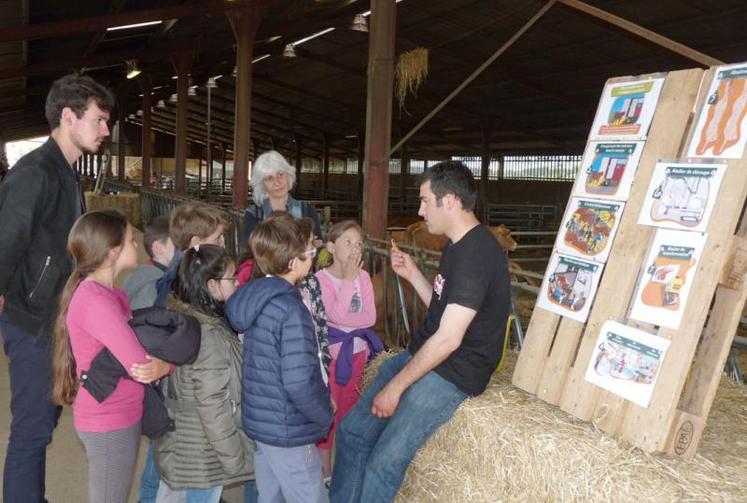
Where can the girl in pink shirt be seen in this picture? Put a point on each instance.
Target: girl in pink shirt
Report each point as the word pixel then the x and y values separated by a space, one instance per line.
pixel 348 299
pixel 93 315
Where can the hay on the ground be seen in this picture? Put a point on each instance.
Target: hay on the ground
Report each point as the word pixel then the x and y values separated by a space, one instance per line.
pixel 127 203
pixel 506 445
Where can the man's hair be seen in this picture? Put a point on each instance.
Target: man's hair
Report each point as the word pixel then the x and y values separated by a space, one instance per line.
pixel 157 230
pixel 268 164
pixel 194 219
pixel 452 177
pixel 75 91
pixel 279 239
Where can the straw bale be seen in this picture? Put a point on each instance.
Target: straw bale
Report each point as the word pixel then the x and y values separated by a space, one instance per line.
pixel 127 203
pixel 507 445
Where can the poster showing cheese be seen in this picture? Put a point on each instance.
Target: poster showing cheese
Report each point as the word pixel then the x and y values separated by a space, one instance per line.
pixel 682 196
pixel 607 170
pixel 720 130
pixel 569 286
pixel 589 228
pixel 627 362
pixel 626 110
pixel 667 277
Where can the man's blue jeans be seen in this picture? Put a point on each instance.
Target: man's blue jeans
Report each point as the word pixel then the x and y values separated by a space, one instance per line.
pixel 34 415
pixel 372 454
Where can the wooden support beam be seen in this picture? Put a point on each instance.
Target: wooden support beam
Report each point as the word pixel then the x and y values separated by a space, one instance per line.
pixel 146 86
pixel 181 62
pixel 640 31
pixel 121 114
pixel 379 116
pixel 244 23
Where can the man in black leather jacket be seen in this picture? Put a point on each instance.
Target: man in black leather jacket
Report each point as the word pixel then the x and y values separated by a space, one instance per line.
pixel 40 199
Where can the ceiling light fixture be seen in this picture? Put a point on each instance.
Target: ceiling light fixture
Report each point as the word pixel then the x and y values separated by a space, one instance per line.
pixel 257 60
pixel 136 25
pixel 132 69
pixel 289 51
pixel 211 83
pixel 192 91
pixel 312 36
pixel 161 104
pixel 173 98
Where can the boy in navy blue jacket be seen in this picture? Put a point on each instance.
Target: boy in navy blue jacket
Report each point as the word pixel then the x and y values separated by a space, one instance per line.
pixel 286 406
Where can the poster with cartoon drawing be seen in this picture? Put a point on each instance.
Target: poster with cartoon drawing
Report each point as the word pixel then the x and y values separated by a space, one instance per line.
pixel 667 277
pixel 626 361
pixel 626 110
pixel 682 196
pixel 569 286
pixel 607 170
pixel 720 130
pixel 589 228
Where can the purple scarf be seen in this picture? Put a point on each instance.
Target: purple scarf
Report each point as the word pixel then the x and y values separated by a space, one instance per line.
pixel 344 369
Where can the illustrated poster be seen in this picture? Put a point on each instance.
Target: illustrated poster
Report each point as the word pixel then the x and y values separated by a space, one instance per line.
pixel 668 276
pixel 720 130
pixel 626 361
pixel 626 110
pixel 569 286
pixel 682 196
pixel 589 227
pixel 607 170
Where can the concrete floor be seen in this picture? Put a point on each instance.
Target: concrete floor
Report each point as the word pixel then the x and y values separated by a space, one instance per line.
pixel 67 466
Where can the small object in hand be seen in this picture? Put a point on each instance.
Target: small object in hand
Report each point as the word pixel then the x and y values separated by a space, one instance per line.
pixel 394 245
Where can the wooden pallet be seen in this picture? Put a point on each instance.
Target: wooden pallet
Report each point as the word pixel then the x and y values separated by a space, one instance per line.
pixel 556 351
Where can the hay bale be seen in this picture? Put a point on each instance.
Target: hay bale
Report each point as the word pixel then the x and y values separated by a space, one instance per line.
pixel 507 445
pixel 126 202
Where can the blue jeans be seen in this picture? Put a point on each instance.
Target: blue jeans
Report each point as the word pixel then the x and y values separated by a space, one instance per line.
pixel 372 454
pixel 34 415
pixel 207 495
pixel 289 474
pixel 251 494
pixel 150 479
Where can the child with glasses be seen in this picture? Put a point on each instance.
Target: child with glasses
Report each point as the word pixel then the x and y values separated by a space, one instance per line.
pixel 286 404
pixel 207 448
pixel 348 298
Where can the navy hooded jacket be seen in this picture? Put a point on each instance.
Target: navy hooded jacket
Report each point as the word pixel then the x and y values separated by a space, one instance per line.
pixel 285 401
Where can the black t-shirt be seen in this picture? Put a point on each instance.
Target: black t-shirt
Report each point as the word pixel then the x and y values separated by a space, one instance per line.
pixel 473 273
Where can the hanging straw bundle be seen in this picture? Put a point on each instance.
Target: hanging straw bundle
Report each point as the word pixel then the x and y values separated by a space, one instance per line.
pixel 411 71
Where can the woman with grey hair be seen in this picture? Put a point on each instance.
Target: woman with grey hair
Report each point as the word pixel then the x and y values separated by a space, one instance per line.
pixel 272 180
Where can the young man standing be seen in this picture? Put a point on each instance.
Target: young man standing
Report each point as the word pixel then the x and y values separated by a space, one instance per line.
pixel 450 358
pixel 40 199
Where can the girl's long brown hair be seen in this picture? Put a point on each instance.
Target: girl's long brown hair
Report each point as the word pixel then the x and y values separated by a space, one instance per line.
pixel 88 243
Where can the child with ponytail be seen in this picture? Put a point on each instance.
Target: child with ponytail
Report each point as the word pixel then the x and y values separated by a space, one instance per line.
pixel 94 315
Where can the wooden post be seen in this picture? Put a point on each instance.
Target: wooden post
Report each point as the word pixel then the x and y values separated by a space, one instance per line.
pixel 325 164
pixel 298 140
pixel 181 61
pixel 223 168
pixel 404 168
pixel 244 23
pixel 379 116
pixel 361 159
pixel 487 155
pixel 146 86
pixel 121 126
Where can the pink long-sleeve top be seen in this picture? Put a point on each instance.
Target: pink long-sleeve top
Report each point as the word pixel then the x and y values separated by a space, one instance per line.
pixel 349 305
pixel 96 319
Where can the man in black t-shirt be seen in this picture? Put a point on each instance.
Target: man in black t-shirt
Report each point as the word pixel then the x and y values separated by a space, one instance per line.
pixel 451 357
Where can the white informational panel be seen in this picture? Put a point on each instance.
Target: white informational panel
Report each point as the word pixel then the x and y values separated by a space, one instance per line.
pixel 569 286
pixel 607 170
pixel 721 128
pixel 589 228
pixel 626 110
pixel 682 196
pixel 626 361
pixel 667 277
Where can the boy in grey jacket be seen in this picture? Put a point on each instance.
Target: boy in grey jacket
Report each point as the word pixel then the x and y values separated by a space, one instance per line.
pixel 141 283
